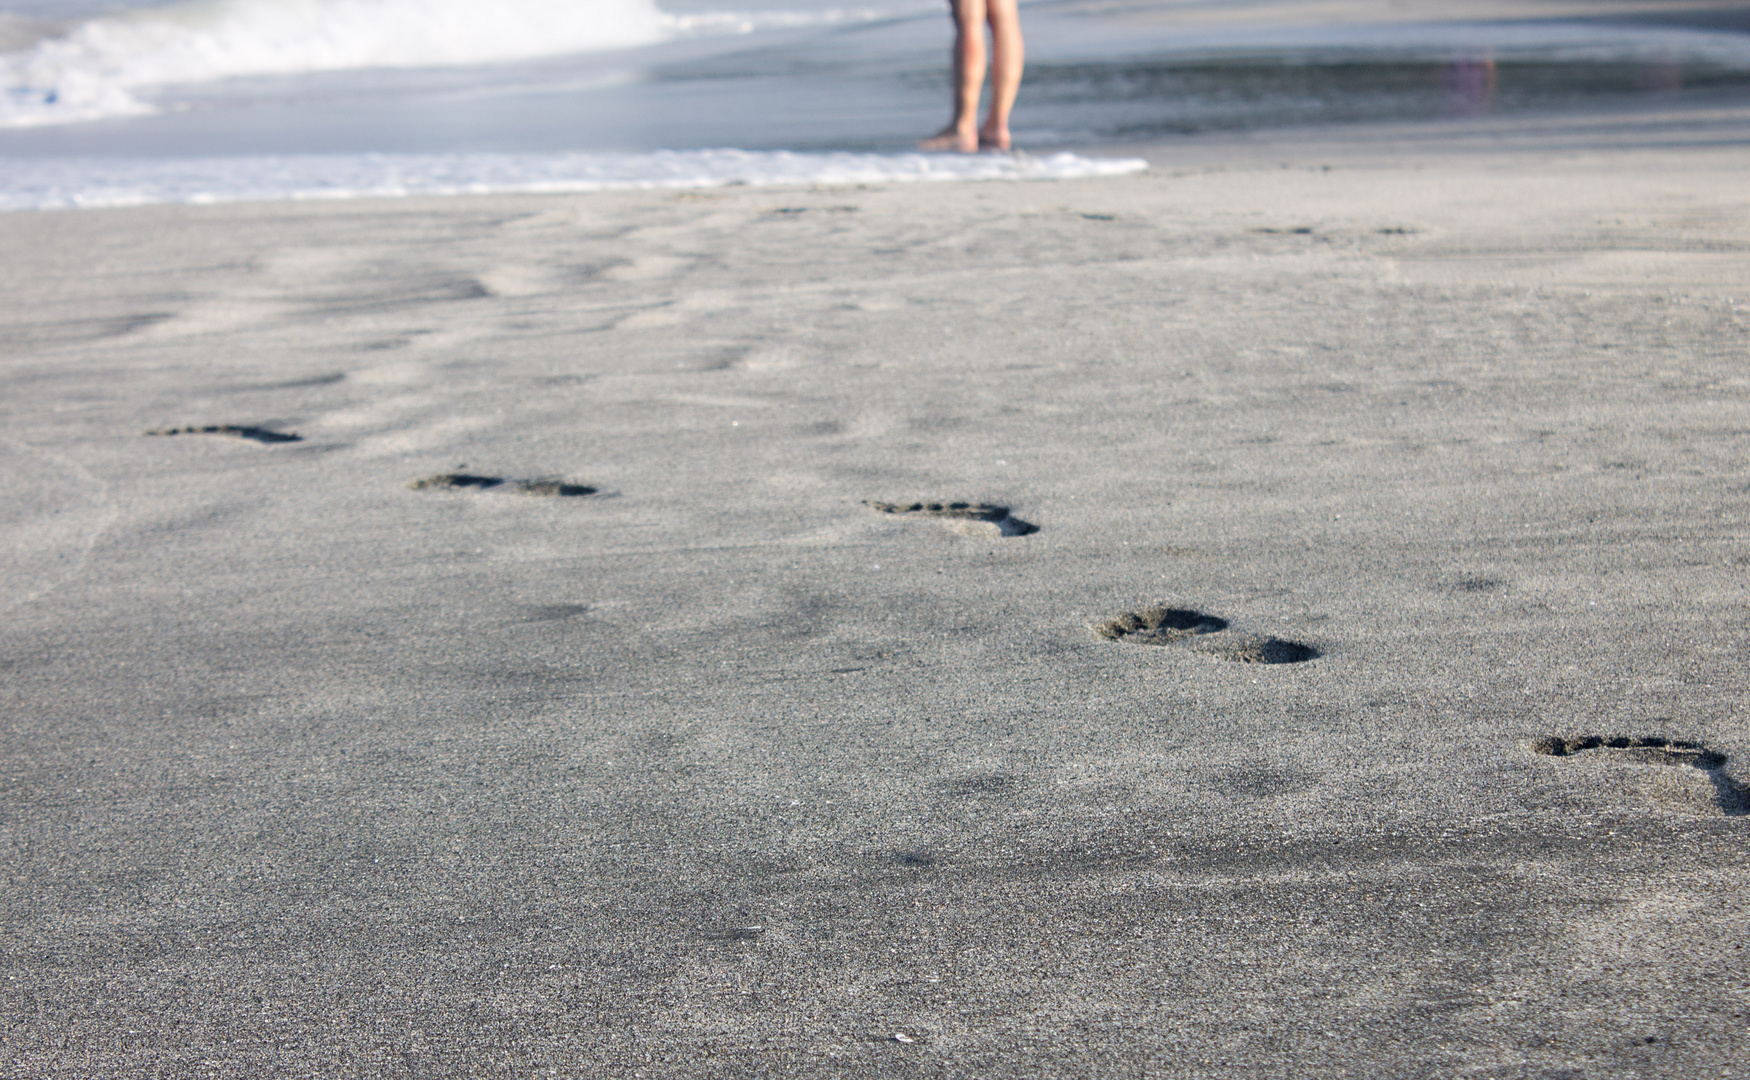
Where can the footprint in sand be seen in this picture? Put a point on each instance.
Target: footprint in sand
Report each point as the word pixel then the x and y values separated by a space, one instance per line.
pixel 1733 797
pixel 1170 625
pixel 1645 750
pixel 1160 626
pixel 236 431
pixel 470 482
pixel 967 519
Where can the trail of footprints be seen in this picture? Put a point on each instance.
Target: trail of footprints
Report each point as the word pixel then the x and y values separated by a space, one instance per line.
pixel 1153 626
pixel 545 486
pixel 1160 626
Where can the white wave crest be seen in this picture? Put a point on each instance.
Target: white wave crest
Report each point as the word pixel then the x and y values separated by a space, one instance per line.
pixel 93 69
pixel 748 22
pixel 44 184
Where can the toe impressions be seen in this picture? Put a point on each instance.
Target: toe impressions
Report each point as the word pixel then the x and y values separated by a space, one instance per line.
pixel 236 431
pixel 1171 625
pixel 1643 750
pixel 472 482
pixel 973 519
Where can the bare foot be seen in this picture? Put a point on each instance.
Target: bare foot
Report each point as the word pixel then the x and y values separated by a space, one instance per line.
pixel 951 140
pixel 994 140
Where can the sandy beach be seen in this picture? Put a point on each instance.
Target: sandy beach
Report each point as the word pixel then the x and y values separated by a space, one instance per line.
pixel 644 745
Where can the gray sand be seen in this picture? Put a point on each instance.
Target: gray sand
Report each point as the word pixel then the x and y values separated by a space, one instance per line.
pixel 718 772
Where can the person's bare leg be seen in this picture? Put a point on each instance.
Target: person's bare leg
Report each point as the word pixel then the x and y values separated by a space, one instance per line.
pixel 962 133
pixel 1008 57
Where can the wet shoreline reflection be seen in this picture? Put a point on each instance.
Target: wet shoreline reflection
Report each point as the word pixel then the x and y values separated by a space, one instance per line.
pixel 1470 85
pixel 1211 93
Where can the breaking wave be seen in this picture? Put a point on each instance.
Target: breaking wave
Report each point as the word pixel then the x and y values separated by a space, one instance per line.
pixel 92 68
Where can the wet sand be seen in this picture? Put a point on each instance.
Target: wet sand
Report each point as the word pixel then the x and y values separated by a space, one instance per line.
pixel 604 681
pixel 1704 14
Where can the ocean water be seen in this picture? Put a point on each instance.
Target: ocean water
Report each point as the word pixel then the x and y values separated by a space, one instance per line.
pixel 104 102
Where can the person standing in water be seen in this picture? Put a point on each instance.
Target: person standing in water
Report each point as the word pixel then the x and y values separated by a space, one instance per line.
pixel 965 134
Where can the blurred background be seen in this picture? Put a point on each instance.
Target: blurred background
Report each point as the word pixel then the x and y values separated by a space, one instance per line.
pixel 247 79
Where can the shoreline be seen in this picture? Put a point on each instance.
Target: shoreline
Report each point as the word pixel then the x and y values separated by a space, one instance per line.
pixel 1695 121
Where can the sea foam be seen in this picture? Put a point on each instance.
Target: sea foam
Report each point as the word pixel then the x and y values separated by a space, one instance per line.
pixel 94 68
pixel 41 184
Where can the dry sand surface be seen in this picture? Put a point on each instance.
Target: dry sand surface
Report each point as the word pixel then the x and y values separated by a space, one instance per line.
pixel 724 761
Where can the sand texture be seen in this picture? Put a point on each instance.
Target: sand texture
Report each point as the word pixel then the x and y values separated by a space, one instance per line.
pixel 577 694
